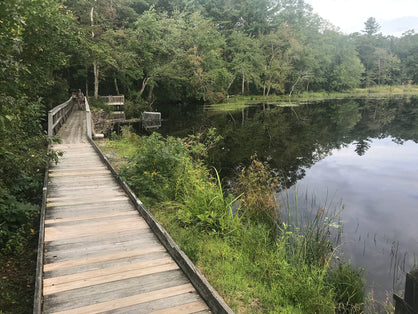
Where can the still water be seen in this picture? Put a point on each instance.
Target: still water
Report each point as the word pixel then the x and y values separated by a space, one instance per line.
pixel 363 153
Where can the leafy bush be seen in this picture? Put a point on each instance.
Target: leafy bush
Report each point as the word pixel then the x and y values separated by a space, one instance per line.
pixel 163 169
pixel 16 218
pixel 257 186
pixel 157 167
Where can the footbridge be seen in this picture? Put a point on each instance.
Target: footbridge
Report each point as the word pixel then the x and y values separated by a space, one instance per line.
pixel 100 250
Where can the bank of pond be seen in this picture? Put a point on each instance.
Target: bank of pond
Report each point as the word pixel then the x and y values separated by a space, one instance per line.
pixel 348 166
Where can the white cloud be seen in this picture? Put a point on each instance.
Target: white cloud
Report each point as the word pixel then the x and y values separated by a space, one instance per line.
pixel 350 15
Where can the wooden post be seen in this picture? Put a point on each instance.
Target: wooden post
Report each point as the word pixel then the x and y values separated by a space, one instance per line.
pixel 50 123
pixel 88 119
pixel 410 303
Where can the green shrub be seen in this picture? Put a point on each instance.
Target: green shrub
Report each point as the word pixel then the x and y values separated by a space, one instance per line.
pixel 256 186
pixel 164 170
pixel 157 166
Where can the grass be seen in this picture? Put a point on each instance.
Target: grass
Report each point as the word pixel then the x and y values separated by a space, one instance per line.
pixel 256 266
pixel 237 103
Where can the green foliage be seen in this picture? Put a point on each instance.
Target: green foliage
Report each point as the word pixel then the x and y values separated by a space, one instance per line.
pixel 255 270
pixel 23 150
pixel 257 203
pixel 163 170
pixel 348 285
pixel 199 144
pixel 157 167
pixel 16 221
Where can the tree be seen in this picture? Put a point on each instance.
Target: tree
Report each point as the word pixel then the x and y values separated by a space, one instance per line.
pixel 278 61
pixel 371 27
pixel 245 59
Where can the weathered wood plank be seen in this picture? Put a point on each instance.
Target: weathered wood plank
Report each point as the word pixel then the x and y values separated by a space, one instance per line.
pixel 84 173
pixel 185 308
pixel 160 304
pixel 50 289
pixel 87 201
pixel 83 218
pixel 113 290
pixel 68 232
pixel 132 300
pixel 106 271
pixel 106 264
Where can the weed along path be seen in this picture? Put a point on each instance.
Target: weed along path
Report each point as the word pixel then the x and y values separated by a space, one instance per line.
pixel 99 253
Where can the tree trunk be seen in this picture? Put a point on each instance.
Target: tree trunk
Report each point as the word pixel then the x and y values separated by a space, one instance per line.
pixel 95 65
pixel 116 86
pixel 144 84
pixel 243 85
pixel 230 84
pixel 150 94
pixel 96 79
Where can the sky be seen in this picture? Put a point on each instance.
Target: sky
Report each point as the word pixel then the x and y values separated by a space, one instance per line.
pixel 350 15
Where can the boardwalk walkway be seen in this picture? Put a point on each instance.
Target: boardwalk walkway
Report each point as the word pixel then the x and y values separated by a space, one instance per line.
pixel 100 255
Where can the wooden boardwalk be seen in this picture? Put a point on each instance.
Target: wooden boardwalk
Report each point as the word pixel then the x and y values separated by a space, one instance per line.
pixel 100 255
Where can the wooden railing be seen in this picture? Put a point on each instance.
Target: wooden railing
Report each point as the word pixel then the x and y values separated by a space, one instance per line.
pixel 58 115
pixel 88 118
pixel 114 100
pixel 408 305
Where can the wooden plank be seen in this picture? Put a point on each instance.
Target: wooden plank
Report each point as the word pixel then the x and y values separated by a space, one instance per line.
pixel 159 304
pixel 107 215
pixel 80 173
pixel 185 308
pixel 93 246
pixel 68 232
pixel 67 300
pixel 101 258
pixel 106 271
pixel 87 210
pixel 97 195
pixel 108 278
pixel 90 201
pixel 128 301
pixel 106 264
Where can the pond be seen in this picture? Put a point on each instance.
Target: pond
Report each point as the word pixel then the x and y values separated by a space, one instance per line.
pixel 363 152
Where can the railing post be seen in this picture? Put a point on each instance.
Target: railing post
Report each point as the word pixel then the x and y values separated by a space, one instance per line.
pixel 88 118
pixel 409 304
pixel 50 123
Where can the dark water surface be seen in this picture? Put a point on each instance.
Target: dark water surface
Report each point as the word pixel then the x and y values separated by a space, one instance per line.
pixel 363 152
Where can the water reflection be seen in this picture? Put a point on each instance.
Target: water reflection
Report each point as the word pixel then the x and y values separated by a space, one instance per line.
pixel 380 193
pixel 362 151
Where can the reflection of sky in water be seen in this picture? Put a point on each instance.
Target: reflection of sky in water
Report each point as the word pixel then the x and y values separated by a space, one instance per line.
pixel 380 194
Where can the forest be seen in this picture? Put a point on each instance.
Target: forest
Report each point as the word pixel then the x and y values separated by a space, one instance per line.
pixel 159 51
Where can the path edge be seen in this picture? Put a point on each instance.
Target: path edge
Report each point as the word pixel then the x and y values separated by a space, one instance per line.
pixel 37 298
pixel 215 302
